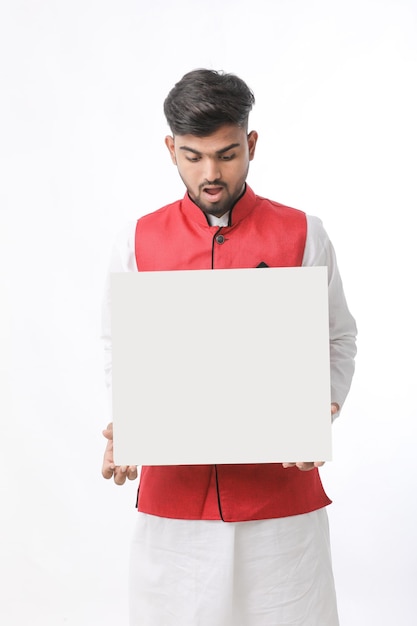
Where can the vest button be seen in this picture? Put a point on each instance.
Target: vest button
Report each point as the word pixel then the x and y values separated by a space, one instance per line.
pixel 220 239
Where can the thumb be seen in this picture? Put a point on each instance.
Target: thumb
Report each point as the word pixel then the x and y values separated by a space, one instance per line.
pixel 108 432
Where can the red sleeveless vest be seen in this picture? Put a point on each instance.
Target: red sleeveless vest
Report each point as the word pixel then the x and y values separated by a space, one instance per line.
pixel 260 233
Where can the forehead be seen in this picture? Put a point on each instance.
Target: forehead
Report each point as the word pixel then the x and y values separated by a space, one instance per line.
pixel 220 139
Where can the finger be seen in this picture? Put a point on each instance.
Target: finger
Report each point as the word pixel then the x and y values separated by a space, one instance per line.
pixel 305 466
pixel 132 472
pixel 108 432
pixel 108 466
pixel 107 470
pixel 120 474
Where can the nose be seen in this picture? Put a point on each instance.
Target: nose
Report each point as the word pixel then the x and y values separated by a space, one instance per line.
pixel 212 171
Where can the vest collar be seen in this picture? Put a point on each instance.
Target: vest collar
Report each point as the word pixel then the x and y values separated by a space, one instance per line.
pixel 238 212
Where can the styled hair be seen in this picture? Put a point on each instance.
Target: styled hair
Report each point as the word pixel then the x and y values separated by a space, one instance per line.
pixel 204 100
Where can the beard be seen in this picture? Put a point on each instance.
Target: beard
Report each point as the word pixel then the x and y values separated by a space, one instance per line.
pixel 220 207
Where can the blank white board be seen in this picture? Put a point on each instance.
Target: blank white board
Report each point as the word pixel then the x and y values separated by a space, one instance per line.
pixel 224 366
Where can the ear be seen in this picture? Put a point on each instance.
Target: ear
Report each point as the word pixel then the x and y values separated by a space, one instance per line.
pixel 170 144
pixel 252 139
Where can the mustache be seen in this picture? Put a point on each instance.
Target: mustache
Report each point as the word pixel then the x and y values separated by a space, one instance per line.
pixel 213 183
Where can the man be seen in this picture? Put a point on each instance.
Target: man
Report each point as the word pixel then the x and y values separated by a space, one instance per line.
pixel 229 545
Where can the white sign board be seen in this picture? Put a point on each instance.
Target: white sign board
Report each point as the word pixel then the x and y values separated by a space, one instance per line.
pixel 224 366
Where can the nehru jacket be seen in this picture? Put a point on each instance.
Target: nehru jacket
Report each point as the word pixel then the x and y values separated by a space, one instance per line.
pixel 260 233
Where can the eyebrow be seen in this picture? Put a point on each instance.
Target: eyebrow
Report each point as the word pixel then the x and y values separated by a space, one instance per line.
pixel 222 151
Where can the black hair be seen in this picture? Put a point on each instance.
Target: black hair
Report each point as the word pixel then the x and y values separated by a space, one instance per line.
pixel 204 100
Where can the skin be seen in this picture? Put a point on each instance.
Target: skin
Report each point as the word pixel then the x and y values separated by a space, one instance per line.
pixel 214 168
pixel 109 469
pixel 121 473
pixel 214 171
pixel 306 466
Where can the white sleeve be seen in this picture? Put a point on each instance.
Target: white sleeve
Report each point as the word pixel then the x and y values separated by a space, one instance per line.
pixel 122 260
pixel 342 326
pixel 318 251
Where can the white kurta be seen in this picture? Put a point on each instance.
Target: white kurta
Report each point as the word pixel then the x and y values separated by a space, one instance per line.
pixel 274 572
pixel 210 573
pixel 318 252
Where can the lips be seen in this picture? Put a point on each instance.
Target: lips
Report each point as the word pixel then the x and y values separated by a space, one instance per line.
pixel 212 191
pixel 213 194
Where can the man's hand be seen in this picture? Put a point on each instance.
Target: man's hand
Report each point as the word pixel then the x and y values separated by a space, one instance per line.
pixel 109 469
pixel 309 465
pixel 304 466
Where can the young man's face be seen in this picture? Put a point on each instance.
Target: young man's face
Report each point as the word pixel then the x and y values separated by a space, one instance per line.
pixel 214 168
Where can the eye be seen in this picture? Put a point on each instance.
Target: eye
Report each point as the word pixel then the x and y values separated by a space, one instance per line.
pixel 227 157
pixel 193 159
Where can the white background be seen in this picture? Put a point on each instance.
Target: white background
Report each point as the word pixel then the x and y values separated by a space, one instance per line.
pixel 81 140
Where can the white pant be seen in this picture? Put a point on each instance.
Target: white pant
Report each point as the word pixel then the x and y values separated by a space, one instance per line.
pixel 211 573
